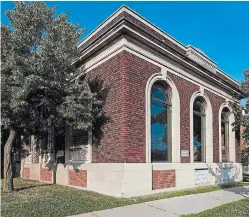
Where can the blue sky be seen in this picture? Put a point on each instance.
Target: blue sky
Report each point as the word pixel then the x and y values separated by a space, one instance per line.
pixel 220 29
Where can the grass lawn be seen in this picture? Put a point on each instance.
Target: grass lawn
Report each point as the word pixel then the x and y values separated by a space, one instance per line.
pixel 235 209
pixel 37 199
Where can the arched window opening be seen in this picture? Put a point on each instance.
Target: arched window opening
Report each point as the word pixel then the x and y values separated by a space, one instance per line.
pixel 161 150
pixel 225 134
pixel 199 128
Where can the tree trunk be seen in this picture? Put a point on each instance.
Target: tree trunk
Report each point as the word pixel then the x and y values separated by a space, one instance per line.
pixel 8 176
pixel 54 168
pixel 34 149
pixel 55 165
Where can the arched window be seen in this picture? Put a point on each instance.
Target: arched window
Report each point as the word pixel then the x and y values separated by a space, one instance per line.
pixel 225 134
pixel 160 123
pixel 199 128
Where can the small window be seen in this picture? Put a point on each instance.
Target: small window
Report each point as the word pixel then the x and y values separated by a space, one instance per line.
pixel 79 145
pixel 225 134
pixel 160 123
pixel 60 145
pixel 199 129
pixel 80 137
pixel 50 138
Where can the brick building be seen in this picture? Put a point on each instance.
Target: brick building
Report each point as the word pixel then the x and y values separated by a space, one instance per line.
pixel 170 118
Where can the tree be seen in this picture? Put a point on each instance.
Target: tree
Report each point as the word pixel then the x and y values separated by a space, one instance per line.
pixel 245 120
pixel 38 76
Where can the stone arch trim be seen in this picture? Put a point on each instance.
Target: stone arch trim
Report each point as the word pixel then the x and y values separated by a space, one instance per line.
pixel 175 100
pixel 231 139
pixel 216 102
pixel 208 129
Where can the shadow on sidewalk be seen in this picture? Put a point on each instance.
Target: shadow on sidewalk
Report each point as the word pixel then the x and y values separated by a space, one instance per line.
pixel 243 191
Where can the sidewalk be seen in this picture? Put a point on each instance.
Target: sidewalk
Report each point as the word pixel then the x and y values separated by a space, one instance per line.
pixel 176 206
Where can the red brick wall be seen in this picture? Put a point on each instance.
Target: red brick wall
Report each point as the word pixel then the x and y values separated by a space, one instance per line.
pixel 124 140
pixel 110 148
pixel 163 179
pixel 78 178
pixel 216 102
pixel 46 175
pixel 124 137
pixel 238 145
pixel 26 173
pixel 186 89
pixel 242 141
pixel 135 77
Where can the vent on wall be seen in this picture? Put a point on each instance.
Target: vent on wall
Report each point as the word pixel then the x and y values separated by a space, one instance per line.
pixel 80 137
pixel 79 146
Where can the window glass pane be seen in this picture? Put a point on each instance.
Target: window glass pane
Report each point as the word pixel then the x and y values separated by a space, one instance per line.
pixel 224 117
pixel 223 144
pixel 159 129
pixel 197 137
pixel 224 134
pixel 197 107
pixel 158 92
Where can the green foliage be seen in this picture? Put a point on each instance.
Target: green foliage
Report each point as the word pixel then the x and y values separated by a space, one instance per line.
pixel 245 119
pixel 38 199
pixel 37 53
pixel 245 156
pixel 32 198
pixel 242 117
pixel 238 209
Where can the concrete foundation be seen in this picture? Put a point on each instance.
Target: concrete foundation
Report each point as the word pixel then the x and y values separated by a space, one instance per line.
pixel 135 179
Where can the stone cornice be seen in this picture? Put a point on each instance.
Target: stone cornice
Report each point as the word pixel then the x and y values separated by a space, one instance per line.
pixel 125 22
pixel 174 60
pixel 201 59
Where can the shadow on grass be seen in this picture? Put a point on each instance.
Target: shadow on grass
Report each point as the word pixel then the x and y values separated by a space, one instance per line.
pixel 30 186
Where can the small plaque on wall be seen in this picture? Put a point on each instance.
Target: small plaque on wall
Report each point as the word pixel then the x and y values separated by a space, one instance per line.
pixel 184 153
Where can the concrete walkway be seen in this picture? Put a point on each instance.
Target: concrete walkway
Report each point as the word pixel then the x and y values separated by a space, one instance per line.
pixel 176 206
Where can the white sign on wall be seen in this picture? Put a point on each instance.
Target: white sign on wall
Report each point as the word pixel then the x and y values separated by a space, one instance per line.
pixel 184 153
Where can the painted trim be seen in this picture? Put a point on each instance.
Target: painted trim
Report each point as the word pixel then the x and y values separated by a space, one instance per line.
pixel 175 100
pixel 227 76
pixel 137 16
pixel 153 27
pixel 105 55
pixel 124 45
pixel 159 47
pixel 180 73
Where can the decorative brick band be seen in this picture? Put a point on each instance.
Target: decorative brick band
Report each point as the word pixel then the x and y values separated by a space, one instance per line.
pixel 78 178
pixel 26 173
pixel 163 179
pixel 46 175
